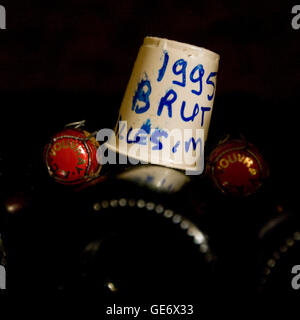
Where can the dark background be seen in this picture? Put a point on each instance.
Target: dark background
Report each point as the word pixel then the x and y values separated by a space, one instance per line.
pixel 63 61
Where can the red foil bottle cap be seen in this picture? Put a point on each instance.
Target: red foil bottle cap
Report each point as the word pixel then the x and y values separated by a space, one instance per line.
pixel 237 167
pixel 70 156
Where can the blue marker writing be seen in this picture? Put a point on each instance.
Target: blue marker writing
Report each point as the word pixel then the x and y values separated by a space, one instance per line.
pixel 192 140
pixel 146 126
pixel 200 70
pixel 166 101
pixel 192 117
pixel 162 70
pixel 174 149
pixel 155 138
pixel 209 82
pixel 142 95
pixel 137 138
pixel 182 70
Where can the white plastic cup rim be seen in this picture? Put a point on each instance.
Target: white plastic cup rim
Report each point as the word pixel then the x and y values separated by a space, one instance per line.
pixel 182 47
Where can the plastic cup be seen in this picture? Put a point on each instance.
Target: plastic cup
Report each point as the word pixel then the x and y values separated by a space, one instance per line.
pixel 165 113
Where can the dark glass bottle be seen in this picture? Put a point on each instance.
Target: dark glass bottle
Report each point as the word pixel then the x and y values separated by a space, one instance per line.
pixel 238 198
pixel 137 237
pixel 136 233
pixel 279 264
